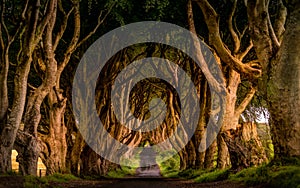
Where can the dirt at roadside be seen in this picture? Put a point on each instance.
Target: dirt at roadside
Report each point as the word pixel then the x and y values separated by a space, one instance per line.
pixel 11 181
pixel 18 181
pixel 149 183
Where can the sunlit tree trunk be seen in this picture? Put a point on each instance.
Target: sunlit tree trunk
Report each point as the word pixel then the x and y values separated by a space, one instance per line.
pixel 245 147
pixel 210 156
pixel 223 159
pixel 56 140
pixel 234 59
pixel 29 152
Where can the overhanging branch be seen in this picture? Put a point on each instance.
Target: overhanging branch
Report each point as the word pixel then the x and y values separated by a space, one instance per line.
pixel 212 22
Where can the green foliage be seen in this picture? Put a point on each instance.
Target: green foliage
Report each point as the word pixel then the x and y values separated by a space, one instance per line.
pixel 121 172
pixel 271 176
pixel 216 175
pixel 170 174
pixel 156 8
pixel 170 167
pixel 202 175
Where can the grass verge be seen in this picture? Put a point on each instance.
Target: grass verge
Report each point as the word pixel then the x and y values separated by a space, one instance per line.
pixel 270 176
pixel 36 182
pixel 121 172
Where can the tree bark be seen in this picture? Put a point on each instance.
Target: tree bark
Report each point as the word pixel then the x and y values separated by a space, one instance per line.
pixel 244 147
pixel 30 151
pixel 55 160
pixel 210 156
pixel 75 154
pixel 28 147
pixel 93 164
pixel 284 90
pixel 223 160
pixel 9 131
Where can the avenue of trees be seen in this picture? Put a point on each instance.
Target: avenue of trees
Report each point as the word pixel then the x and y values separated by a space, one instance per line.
pixel 255 43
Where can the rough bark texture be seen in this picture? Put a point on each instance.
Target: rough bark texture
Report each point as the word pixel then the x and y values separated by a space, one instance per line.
pixel 234 59
pixel 284 89
pixel 55 153
pixel 259 30
pixel 281 72
pixel 28 147
pixel 210 156
pixel 93 164
pixel 9 130
pixel 244 147
pixel 74 156
pixel 30 151
pixel 4 66
pixel 223 160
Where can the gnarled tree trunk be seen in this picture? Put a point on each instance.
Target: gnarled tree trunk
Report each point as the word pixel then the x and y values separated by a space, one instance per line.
pixel 28 138
pixel 244 147
pixel 55 154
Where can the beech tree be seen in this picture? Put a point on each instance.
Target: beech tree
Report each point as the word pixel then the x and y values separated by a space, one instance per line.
pixel 53 146
pixel 254 43
pixel 232 56
pixel 277 51
pixel 32 25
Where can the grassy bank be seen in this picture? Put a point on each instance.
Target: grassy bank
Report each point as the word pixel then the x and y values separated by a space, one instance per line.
pixel 277 176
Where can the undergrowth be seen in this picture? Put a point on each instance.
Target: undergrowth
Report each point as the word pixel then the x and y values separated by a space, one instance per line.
pixel 36 182
pixel 270 176
pixel 284 174
pixel 121 172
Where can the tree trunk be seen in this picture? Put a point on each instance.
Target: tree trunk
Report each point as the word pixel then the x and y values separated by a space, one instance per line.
pixel 9 131
pixel 240 141
pixel 75 154
pixel 284 90
pixel 90 162
pixel 183 155
pixel 244 147
pixel 55 158
pixel 223 160
pixel 191 157
pixel 210 156
pixel 31 151
pixel 28 148
pixel 4 66
pixel 93 164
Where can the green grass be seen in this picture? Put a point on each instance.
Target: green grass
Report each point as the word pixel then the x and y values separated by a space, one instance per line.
pixel 36 182
pixel 216 175
pixel 271 176
pixel 191 173
pixel 170 174
pixel 121 172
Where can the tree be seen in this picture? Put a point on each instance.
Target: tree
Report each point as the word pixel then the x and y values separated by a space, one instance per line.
pixel 32 26
pixel 52 145
pixel 284 89
pixel 235 63
pixel 277 52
